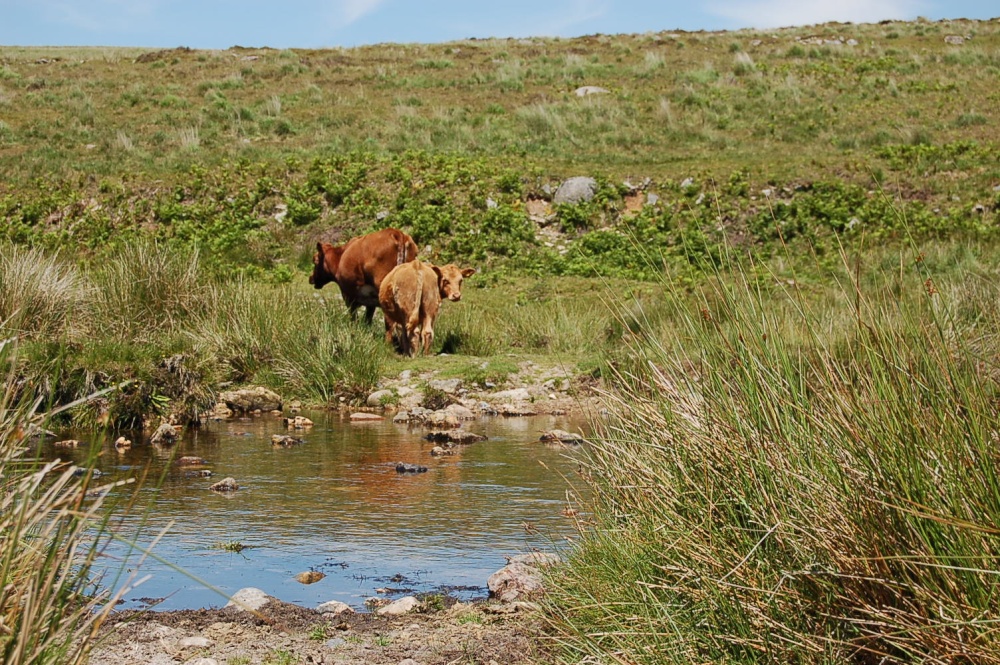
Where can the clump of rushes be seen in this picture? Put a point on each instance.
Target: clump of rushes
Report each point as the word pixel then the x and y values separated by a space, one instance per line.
pixel 48 611
pixel 792 480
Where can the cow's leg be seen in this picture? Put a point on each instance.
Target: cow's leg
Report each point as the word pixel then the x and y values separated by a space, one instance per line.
pixel 369 313
pixel 428 336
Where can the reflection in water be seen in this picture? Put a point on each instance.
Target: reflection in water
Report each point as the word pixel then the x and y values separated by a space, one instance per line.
pixel 337 505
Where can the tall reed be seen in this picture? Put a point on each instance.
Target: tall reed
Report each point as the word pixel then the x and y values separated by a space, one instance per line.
pixel 791 479
pixel 49 542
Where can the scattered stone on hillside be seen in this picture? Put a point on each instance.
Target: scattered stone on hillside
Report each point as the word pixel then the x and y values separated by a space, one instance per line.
pixel 399 607
pixel 755 42
pixel 334 607
pixel 539 211
pixel 634 202
pixel 379 398
pixel 285 441
pixel 225 485
pixel 403 467
pixel 852 42
pixel 585 90
pixel 954 40
pixel 191 460
pixel 520 578
pixel 165 435
pixel 248 400
pixel 67 443
pixel 298 422
pixel 575 190
pixel 362 416
pixel 249 599
pixel 562 436
pixel 460 436
pixel 687 182
pixel 309 577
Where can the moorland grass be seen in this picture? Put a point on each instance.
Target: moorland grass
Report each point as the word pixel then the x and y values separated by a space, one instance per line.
pixel 798 472
pixel 51 525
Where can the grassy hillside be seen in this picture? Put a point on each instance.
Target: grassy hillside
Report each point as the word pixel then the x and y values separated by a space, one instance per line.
pixel 812 127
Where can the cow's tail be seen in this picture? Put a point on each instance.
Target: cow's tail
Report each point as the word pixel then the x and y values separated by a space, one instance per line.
pixel 406 251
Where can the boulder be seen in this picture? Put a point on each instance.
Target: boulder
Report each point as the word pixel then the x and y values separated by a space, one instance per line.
pixel 122 444
pixel 439 451
pixel 586 90
pixel 403 467
pixel 513 395
pixel 334 607
pixel 379 398
pixel 516 409
pixel 576 190
pixel 363 417
pixel 225 485
pixel 520 578
pixel 460 412
pixel 399 607
pixel 249 599
pixel 441 420
pixel 67 443
pixel 191 460
pixel 285 441
pixel 298 422
pixel 309 577
pixel 165 435
pixel 459 436
pixel 221 411
pixel 247 400
pixel 450 386
pixel 402 417
pixel 561 436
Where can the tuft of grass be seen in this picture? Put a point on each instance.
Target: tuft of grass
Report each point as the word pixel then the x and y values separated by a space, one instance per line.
pixel 51 526
pixel 40 295
pixel 801 471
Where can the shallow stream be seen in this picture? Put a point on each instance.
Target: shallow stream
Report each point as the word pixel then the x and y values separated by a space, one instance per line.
pixel 336 505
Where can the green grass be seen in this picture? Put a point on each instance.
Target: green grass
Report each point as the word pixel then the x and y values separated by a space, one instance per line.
pixel 798 471
pixel 49 609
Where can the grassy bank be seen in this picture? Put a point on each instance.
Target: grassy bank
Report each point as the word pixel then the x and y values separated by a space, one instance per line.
pixel 799 473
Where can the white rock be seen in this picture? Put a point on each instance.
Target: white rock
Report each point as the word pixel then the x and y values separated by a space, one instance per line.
pixel 250 598
pixel 515 394
pixel 335 607
pixel 194 642
pixel 585 90
pixel 401 606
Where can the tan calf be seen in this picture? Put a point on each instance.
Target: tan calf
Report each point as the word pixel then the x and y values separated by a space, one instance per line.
pixel 410 297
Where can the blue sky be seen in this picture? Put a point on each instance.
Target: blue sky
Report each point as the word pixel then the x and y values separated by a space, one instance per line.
pixel 325 23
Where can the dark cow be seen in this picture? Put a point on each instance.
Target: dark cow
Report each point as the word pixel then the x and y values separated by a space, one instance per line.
pixel 359 267
pixel 410 297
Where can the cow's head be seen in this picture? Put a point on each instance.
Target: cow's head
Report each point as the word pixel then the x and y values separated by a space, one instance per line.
pixel 326 260
pixel 450 280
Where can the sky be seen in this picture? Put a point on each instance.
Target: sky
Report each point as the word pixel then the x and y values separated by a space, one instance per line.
pixel 219 24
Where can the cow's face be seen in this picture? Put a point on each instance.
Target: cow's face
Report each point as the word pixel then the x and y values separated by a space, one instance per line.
pixel 450 280
pixel 323 264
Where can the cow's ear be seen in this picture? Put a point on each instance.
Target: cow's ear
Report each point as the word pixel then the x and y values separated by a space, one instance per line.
pixel 437 271
pixel 468 272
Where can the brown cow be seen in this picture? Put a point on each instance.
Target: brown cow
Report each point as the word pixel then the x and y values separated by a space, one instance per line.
pixel 411 297
pixel 359 267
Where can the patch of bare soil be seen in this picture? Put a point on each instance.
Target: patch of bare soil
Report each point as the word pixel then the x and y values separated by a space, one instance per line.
pixel 282 633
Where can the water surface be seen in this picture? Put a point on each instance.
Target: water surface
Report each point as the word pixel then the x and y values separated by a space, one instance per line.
pixel 337 505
